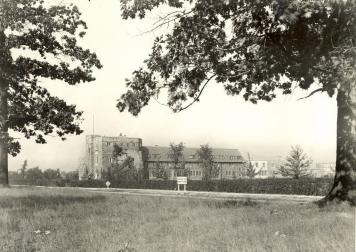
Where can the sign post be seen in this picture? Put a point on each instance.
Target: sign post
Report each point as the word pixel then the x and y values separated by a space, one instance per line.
pixel 182 181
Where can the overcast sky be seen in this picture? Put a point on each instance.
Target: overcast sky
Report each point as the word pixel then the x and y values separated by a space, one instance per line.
pixel 265 130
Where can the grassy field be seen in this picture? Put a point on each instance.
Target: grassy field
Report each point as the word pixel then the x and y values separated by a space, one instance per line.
pixel 38 219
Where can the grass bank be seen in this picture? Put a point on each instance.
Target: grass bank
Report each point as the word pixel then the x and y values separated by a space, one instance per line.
pixel 40 219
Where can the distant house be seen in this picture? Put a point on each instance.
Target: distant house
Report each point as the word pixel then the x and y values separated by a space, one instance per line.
pixel 261 167
pixel 323 169
pixel 229 162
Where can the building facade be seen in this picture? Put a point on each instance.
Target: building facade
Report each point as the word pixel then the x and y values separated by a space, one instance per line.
pixel 229 162
pixel 323 169
pixel 261 167
pixel 99 149
pixel 98 153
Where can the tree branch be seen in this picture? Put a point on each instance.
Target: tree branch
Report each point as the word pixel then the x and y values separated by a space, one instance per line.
pixel 315 91
pixel 197 97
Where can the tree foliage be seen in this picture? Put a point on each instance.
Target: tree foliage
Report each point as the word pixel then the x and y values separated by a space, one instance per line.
pixel 206 160
pixel 122 166
pixel 176 154
pixel 252 48
pixel 52 174
pixel 33 174
pixel 159 171
pixel 23 169
pixel 250 170
pixel 39 41
pixel 297 164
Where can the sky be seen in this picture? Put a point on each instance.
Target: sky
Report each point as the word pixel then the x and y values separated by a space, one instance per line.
pixel 266 130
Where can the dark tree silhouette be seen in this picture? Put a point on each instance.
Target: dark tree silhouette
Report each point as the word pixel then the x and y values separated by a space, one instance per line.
pixel 122 166
pixel 176 154
pixel 159 171
pixel 297 164
pixel 206 159
pixel 38 41
pixel 23 169
pixel 255 48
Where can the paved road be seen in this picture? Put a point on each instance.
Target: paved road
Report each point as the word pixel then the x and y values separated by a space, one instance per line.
pixel 215 195
pixel 204 195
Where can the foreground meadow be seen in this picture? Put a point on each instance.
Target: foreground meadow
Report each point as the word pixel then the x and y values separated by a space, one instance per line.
pixel 39 219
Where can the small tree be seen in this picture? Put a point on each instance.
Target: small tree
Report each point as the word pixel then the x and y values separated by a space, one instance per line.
pixel 206 159
pixel 250 170
pixel 23 169
pixel 176 154
pixel 71 175
pixel 159 171
pixel 297 164
pixel 34 174
pixel 52 174
pixel 122 166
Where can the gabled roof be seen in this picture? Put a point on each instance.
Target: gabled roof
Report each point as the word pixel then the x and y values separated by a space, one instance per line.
pixel 162 154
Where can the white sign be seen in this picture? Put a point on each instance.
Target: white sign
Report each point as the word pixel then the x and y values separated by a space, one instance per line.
pixel 107 184
pixel 181 180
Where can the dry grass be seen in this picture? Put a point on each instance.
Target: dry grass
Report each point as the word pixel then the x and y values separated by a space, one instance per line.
pixel 88 221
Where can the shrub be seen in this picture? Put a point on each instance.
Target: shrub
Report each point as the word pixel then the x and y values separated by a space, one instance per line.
pixel 304 186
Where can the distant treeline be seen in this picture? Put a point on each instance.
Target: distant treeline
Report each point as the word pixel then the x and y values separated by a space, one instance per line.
pixel 35 174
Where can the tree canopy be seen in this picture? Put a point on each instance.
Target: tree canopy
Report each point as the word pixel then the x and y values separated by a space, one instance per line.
pixel 39 41
pixel 177 156
pixel 121 166
pixel 252 48
pixel 206 159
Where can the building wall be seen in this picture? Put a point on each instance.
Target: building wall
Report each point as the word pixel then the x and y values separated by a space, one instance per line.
pixel 323 169
pixel 99 150
pixel 99 153
pixel 93 157
pixel 261 167
pixel 226 170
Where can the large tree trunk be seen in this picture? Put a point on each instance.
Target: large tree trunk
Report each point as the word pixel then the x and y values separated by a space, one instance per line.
pixel 4 178
pixel 344 187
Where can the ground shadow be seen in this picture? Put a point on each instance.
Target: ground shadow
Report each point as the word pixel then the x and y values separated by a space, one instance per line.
pixel 233 203
pixel 47 201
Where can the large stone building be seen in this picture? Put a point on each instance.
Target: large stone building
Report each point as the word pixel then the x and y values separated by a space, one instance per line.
pixel 99 150
pixel 229 162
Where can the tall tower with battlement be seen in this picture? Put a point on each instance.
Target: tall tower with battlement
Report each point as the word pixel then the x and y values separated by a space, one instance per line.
pixel 98 153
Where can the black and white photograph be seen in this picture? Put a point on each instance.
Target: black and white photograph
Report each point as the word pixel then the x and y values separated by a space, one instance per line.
pixel 177 125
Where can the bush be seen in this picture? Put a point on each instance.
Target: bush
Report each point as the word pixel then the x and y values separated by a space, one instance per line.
pixel 305 186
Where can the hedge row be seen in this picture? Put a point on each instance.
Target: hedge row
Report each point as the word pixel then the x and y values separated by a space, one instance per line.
pixel 306 186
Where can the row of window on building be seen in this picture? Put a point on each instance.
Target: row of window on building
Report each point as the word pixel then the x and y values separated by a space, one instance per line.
pixel 215 157
pixel 127 145
pixel 199 173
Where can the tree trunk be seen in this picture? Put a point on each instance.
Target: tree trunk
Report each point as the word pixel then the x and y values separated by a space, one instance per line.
pixel 344 187
pixel 4 178
pixel 4 54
